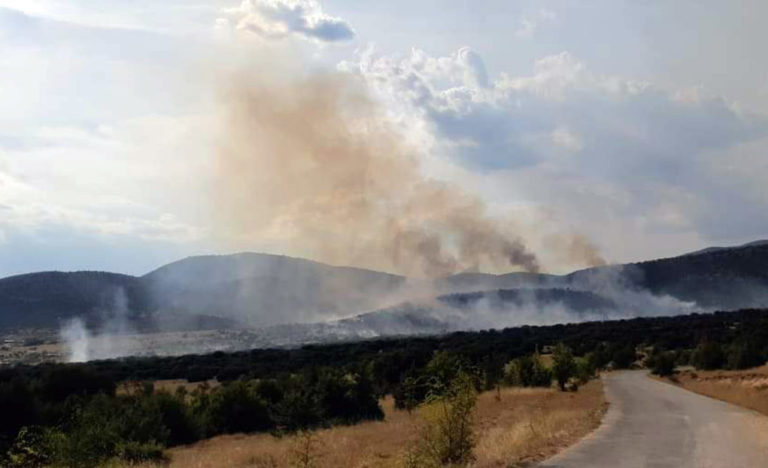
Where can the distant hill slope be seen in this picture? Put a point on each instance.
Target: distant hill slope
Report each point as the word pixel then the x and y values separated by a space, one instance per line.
pixel 265 290
pixel 723 277
pixel 482 310
pixel 262 290
pixel 43 299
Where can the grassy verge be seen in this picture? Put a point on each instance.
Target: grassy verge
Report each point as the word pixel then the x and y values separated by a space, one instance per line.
pixel 747 388
pixel 524 426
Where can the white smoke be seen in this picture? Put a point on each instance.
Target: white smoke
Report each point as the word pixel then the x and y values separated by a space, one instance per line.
pixel 76 339
pixel 111 339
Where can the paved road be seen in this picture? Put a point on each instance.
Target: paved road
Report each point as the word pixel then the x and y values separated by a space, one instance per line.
pixel 654 424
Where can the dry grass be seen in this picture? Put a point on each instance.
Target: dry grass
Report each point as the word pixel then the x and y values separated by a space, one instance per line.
pixel 526 425
pixel 747 388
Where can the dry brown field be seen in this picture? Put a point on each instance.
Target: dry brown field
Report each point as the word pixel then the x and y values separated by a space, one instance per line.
pixel 747 388
pixel 522 427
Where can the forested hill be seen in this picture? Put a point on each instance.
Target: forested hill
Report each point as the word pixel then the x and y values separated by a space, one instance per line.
pixel 43 299
pixel 719 277
pixel 262 290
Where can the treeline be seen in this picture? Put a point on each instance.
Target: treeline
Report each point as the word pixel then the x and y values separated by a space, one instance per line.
pixel 391 357
pixel 74 417
pixel 742 353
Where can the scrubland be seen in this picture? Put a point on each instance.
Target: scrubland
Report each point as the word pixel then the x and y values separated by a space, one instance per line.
pixel 747 388
pixel 514 427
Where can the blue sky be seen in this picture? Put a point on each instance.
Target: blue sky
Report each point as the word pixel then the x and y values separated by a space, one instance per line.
pixel 640 125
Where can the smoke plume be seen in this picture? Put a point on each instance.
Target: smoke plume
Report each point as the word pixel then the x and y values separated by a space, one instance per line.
pixel 76 339
pixel 81 343
pixel 315 164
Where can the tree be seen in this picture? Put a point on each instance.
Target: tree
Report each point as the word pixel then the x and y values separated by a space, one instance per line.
pixel 447 437
pixel 623 356
pixel 708 355
pixel 585 369
pixel 744 354
pixel 662 363
pixel 527 371
pixel 563 365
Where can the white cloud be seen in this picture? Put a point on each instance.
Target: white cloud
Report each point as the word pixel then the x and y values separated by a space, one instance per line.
pixel 640 154
pixel 137 178
pixel 529 24
pixel 277 19
pixel 565 138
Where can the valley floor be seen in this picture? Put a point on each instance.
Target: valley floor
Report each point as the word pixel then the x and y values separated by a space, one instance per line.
pixel 747 388
pixel 525 425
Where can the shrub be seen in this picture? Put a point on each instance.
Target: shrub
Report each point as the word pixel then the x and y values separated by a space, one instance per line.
pixel 662 363
pixel 708 355
pixel 743 355
pixel 304 454
pixel 19 408
pixel 623 357
pixel 177 416
pixel 35 446
pixel 527 371
pixel 585 369
pixel 563 365
pixel 447 437
pixel 236 407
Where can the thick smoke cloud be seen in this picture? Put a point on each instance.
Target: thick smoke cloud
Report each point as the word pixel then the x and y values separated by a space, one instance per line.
pixel 315 164
pixel 642 169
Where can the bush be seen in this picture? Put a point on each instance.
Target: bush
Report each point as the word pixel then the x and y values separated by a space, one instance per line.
pixel 35 446
pixel 563 365
pixel 236 407
pixel 527 371
pixel 436 375
pixel 585 369
pixel 19 408
pixel 177 416
pixel 744 355
pixel 662 363
pixel 623 357
pixel 708 355
pixel 447 437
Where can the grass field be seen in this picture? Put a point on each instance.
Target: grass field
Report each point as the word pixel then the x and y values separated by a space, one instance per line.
pixel 747 388
pixel 524 426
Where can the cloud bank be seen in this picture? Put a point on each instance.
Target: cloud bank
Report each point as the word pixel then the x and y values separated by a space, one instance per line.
pixel 602 151
pixel 278 19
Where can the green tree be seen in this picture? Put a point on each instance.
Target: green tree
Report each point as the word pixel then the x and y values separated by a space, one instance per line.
pixel 447 437
pixel 563 365
pixel 708 355
pixel 527 371
pixel 744 354
pixel 662 363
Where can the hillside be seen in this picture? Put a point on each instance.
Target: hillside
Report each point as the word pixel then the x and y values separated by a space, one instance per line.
pixel 44 299
pixel 263 290
pixel 720 277
pixel 260 290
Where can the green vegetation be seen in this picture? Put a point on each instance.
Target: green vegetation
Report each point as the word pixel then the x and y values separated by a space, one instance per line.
pixel 563 365
pixel 66 426
pixel 662 363
pixel 447 437
pixel 527 371
pixel 72 415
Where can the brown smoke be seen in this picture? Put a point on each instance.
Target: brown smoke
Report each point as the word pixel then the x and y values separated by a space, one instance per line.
pixel 314 165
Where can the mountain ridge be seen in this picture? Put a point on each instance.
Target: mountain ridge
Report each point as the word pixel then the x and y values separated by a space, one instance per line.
pixel 257 289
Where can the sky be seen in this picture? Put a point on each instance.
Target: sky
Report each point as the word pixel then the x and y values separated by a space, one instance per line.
pixel 642 126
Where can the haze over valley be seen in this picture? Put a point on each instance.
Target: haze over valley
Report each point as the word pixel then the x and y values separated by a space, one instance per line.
pixel 248 300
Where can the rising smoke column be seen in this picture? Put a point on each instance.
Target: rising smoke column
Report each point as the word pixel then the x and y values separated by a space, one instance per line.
pixel 313 163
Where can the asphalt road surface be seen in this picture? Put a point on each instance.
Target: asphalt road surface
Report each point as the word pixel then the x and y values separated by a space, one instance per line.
pixel 654 424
